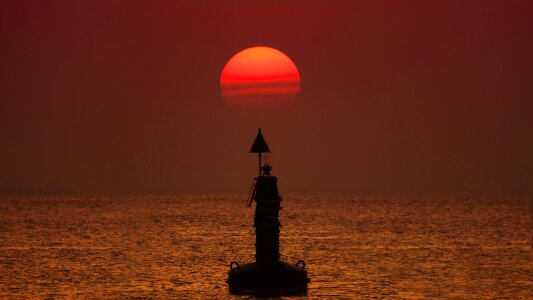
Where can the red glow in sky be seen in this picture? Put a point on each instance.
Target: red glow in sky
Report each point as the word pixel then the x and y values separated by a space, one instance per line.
pixel 108 96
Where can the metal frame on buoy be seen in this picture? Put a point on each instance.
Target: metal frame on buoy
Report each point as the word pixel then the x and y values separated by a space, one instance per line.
pixel 267 275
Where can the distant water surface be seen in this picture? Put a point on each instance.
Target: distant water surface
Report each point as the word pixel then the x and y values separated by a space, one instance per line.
pixel 180 246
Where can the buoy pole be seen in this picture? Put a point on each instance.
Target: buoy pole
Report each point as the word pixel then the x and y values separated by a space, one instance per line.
pixel 259 146
pixel 259 163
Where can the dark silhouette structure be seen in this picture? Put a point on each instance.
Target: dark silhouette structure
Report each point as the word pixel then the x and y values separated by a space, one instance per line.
pixel 259 146
pixel 268 275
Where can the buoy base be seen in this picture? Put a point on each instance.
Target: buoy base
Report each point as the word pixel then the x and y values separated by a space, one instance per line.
pixel 278 279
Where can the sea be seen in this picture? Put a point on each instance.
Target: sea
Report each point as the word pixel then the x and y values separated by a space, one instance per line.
pixel 180 246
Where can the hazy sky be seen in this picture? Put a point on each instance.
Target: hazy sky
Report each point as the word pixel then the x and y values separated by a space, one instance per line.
pixel 396 96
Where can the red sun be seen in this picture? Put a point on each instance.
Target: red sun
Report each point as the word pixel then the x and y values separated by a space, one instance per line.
pixel 260 75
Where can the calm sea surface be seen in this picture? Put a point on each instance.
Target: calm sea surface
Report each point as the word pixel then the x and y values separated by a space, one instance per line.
pixel 180 246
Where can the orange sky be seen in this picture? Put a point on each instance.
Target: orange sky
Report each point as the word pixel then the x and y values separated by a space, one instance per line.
pixel 396 97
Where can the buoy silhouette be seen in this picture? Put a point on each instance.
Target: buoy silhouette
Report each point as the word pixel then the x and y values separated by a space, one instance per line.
pixel 267 275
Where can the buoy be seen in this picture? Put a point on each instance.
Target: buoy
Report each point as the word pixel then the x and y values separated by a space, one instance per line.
pixel 267 275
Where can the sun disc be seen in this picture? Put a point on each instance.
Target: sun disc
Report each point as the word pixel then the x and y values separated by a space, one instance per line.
pixel 260 75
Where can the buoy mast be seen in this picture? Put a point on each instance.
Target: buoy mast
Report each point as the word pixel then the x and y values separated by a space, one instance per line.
pixel 259 146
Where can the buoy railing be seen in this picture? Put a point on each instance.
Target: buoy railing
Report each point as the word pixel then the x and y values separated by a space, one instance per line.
pixel 252 192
